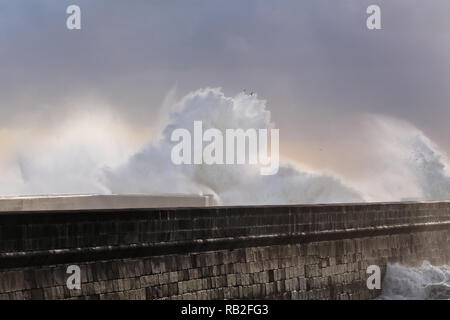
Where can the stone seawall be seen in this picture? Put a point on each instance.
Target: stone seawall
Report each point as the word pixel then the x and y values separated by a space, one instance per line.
pixel 272 252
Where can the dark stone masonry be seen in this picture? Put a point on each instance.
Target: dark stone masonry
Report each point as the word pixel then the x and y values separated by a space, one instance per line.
pixel 270 252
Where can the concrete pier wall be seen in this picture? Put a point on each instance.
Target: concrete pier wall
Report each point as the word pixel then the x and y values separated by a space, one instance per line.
pixel 272 252
pixel 94 201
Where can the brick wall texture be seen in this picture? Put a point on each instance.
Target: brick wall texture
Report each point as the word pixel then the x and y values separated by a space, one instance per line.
pixel 271 252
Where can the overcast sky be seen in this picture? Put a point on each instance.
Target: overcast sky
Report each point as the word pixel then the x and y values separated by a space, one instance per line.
pixel 314 61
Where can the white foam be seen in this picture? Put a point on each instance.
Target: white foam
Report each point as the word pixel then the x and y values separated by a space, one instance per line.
pixel 420 283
